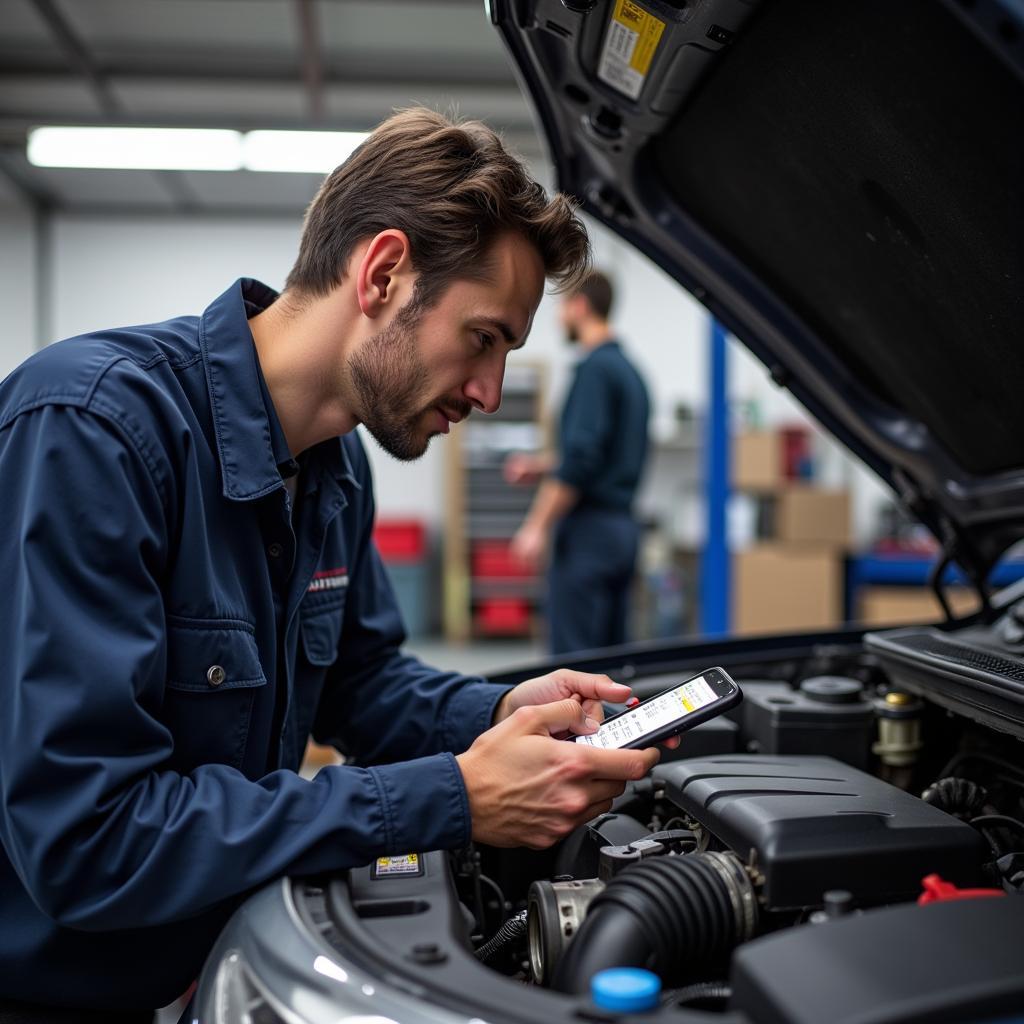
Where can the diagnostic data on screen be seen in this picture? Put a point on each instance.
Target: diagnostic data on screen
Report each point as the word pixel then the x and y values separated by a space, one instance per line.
pixel 652 715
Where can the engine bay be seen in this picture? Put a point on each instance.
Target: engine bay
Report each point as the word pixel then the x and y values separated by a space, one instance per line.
pixel 834 809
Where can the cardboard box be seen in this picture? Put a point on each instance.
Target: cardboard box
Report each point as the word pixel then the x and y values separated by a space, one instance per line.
pixel 786 588
pixel 757 461
pixel 810 515
pixel 897 606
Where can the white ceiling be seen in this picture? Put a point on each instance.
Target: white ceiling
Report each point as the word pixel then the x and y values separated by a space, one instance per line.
pixel 339 64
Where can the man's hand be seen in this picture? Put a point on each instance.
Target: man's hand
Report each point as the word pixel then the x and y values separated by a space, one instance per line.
pixel 526 788
pixel 553 502
pixel 525 468
pixel 586 688
pixel 529 546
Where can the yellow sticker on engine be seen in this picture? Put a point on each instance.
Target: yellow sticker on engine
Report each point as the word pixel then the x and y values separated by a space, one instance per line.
pixel 629 47
pixel 405 864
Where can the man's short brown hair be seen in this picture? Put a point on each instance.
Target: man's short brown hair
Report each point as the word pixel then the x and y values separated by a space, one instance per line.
pixel 597 289
pixel 453 188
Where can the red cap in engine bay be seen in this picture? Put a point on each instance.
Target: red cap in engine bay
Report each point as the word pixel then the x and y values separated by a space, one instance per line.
pixel 938 890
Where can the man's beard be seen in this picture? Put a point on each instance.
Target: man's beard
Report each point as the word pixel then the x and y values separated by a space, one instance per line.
pixel 388 374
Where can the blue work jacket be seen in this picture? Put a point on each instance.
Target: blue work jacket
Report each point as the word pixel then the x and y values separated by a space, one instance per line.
pixel 170 634
pixel 603 430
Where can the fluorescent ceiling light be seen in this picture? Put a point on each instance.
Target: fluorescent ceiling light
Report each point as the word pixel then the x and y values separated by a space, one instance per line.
pixel 310 152
pixel 191 149
pixel 158 149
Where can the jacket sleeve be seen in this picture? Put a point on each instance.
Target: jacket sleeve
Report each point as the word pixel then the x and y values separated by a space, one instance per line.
pixel 100 835
pixel 381 705
pixel 586 428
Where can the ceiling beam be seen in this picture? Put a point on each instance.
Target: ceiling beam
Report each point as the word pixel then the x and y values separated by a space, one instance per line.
pixel 78 56
pixel 212 66
pixel 312 63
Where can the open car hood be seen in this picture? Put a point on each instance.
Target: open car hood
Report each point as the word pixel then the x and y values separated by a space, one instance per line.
pixel 841 185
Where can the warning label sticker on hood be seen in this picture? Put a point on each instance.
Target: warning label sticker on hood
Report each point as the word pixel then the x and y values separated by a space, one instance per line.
pixel 629 47
pixel 402 864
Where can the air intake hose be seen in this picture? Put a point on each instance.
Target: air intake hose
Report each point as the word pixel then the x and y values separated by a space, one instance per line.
pixel 672 915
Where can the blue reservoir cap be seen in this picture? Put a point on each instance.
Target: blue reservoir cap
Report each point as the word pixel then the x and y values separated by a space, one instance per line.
pixel 625 989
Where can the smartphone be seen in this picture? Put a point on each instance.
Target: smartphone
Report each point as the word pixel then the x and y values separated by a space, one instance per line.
pixel 668 713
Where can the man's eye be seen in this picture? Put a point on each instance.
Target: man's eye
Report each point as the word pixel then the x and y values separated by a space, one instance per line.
pixel 486 340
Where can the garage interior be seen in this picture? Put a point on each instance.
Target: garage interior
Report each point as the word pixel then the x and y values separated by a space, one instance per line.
pixel 86 247
pixel 754 519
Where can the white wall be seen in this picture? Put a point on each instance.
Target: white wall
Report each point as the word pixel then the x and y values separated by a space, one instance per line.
pixel 112 271
pixel 115 271
pixel 18 291
pixel 663 329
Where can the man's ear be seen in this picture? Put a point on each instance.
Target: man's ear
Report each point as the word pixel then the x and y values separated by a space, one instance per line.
pixel 384 273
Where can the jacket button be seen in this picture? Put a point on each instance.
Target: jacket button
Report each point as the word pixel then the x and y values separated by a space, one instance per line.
pixel 274 550
pixel 215 675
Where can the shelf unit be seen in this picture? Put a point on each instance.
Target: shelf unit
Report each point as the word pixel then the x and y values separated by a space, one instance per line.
pixel 483 512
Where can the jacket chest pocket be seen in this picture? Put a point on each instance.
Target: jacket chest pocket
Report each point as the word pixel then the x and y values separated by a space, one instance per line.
pixel 320 618
pixel 213 676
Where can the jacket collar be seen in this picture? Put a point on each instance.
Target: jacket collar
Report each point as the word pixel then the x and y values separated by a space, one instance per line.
pixel 242 428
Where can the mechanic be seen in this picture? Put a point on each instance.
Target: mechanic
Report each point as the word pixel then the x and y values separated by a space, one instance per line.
pixel 583 508
pixel 191 588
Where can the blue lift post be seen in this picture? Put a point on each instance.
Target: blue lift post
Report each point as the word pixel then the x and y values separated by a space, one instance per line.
pixel 715 569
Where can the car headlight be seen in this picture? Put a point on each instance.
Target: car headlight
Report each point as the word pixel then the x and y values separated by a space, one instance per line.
pixel 270 965
pixel 239 998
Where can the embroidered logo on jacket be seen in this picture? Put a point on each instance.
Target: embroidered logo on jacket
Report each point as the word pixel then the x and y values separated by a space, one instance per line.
pixel 329 579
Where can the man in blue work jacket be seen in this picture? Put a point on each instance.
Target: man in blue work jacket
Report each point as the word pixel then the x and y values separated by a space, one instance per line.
pixel 583 509
pixel 191 589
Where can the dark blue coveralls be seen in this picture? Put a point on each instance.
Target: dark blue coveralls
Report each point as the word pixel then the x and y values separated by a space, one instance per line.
pixel 603 446
pixel 170 634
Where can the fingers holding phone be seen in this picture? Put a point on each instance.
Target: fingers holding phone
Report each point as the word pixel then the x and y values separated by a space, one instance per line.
pixel 667 714
pixel 526 788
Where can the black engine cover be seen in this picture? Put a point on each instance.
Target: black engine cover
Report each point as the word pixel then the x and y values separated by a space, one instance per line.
pixel 957 961
pixel 813 824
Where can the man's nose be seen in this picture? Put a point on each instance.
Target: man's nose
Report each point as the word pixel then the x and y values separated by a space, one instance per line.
pixel 484 389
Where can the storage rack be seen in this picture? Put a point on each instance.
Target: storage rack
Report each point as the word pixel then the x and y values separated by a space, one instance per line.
pixel 484 593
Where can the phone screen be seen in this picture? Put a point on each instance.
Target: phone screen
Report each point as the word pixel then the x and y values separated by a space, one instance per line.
pixel 652 715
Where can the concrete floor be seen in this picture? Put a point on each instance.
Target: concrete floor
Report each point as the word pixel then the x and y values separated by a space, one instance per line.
pixel 477 658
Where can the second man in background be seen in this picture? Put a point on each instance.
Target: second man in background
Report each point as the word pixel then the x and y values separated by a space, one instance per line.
pixel 583 508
